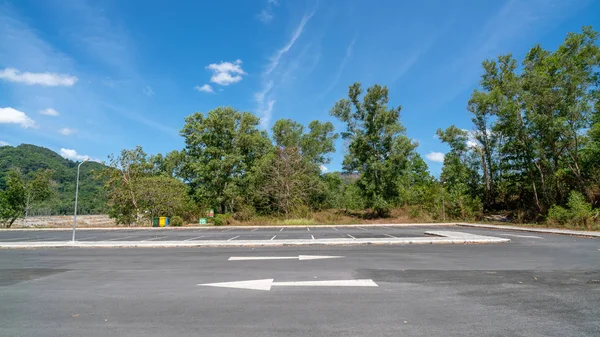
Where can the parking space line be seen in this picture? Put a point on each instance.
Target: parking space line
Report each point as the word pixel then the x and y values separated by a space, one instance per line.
pixel 351 236
pixel 198 237
pixel 364 229
pixel 312 236
pixel 308 229
pixel 281 230
pixel 254 229
pixel 233 238
pixel 155 238
pixel 273 237
pixel 122 237
pixel 227 230
pixel 14 239
pixel 390 236
pixel 335 229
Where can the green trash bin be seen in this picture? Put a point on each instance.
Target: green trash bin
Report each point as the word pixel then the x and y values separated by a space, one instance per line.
pixel 155 222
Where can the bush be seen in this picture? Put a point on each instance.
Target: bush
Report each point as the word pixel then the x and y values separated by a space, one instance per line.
pixel 581 210
pixel 558 215
pixel 176 221
pixel 245 213
pixel 222 219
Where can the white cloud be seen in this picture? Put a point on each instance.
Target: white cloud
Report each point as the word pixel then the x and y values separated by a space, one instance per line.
pixel 45 79
pixel 3 143
pixel 72 154
pixel 437 157
pixel 324 169
pixel 49 112
pixel 265 16
pixel 226 73
pixel 13 116
pixel 204 88
pixel 273 2
pixel 66 131
pixel 148 91
pixel 277 56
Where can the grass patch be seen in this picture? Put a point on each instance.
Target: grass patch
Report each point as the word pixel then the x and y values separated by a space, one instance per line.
pixel 297 222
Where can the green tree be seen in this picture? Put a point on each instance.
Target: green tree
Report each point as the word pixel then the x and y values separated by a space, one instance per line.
pixel 222 147
pixel 378 148
pixel 20 193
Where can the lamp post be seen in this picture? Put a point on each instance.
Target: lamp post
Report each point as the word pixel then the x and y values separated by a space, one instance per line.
pixel 443 202
pixel 76 195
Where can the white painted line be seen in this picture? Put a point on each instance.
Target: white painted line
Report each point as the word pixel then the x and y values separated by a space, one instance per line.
pixel 233 238
pixel 155 238
pixel 227 230
pixel 335 229
pixel 266 284
pixel 299 257
pixel 122 237
pixel 281 230
pixel 523 236
pixel 14 239
pixel 273 237
pixel 390 236
pixel 254 229
pixel 308 229
pixel 312 236
pixel 351 236
pixel 361 228
pixel 198 237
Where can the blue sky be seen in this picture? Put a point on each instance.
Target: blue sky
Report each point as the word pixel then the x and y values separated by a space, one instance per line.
pixel 91 78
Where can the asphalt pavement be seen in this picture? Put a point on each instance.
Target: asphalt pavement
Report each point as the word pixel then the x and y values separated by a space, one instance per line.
pixel 535 285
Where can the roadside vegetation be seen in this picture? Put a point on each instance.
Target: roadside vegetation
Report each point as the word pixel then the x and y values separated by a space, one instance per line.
pixel 532 156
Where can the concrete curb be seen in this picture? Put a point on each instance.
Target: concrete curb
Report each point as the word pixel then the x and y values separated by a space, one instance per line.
pixel 534 230
pixel 442 237
pixel 222 227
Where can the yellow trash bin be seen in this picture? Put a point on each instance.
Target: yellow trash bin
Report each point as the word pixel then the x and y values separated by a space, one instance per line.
pixel 162 221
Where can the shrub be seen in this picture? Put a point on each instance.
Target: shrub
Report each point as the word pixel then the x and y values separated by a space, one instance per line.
pixel 176 221
pixel 581 210
pixel 245 213
pixel 222 219
pixel 558 215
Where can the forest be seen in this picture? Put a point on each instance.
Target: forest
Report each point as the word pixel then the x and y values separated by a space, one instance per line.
pixel 532 155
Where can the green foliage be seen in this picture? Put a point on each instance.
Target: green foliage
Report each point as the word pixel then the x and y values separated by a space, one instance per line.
pixel 378 148
pixel 21 192
pixel 29 159
pixel 222 219
pixel 176 221
pixel 578 214
pixel 221 148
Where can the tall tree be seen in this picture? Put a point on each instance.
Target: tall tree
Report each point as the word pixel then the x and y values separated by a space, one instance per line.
pixel 221 149
pixel 378 148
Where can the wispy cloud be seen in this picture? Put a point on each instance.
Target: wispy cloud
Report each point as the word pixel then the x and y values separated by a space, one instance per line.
pixel 14 116
pixel 341 68
pixel 226 73
pixel 204 88
pixel 265 98
pixel 50 112
pixel 265 16
pixel 148 91
pixel 3 143
pixel 45 79
pixel 274 61
pixel 437 157
pixel 66 131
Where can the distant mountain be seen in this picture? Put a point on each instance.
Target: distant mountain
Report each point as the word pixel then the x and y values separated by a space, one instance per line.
pixel 30 158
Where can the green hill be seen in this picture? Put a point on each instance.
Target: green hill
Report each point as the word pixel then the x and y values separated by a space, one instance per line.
pixel 29 158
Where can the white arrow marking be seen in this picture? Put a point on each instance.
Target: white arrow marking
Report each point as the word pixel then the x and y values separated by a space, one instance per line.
pixel 266 284
pixel 299 257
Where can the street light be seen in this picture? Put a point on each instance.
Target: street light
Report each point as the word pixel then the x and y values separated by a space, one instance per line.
pixel 76 195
